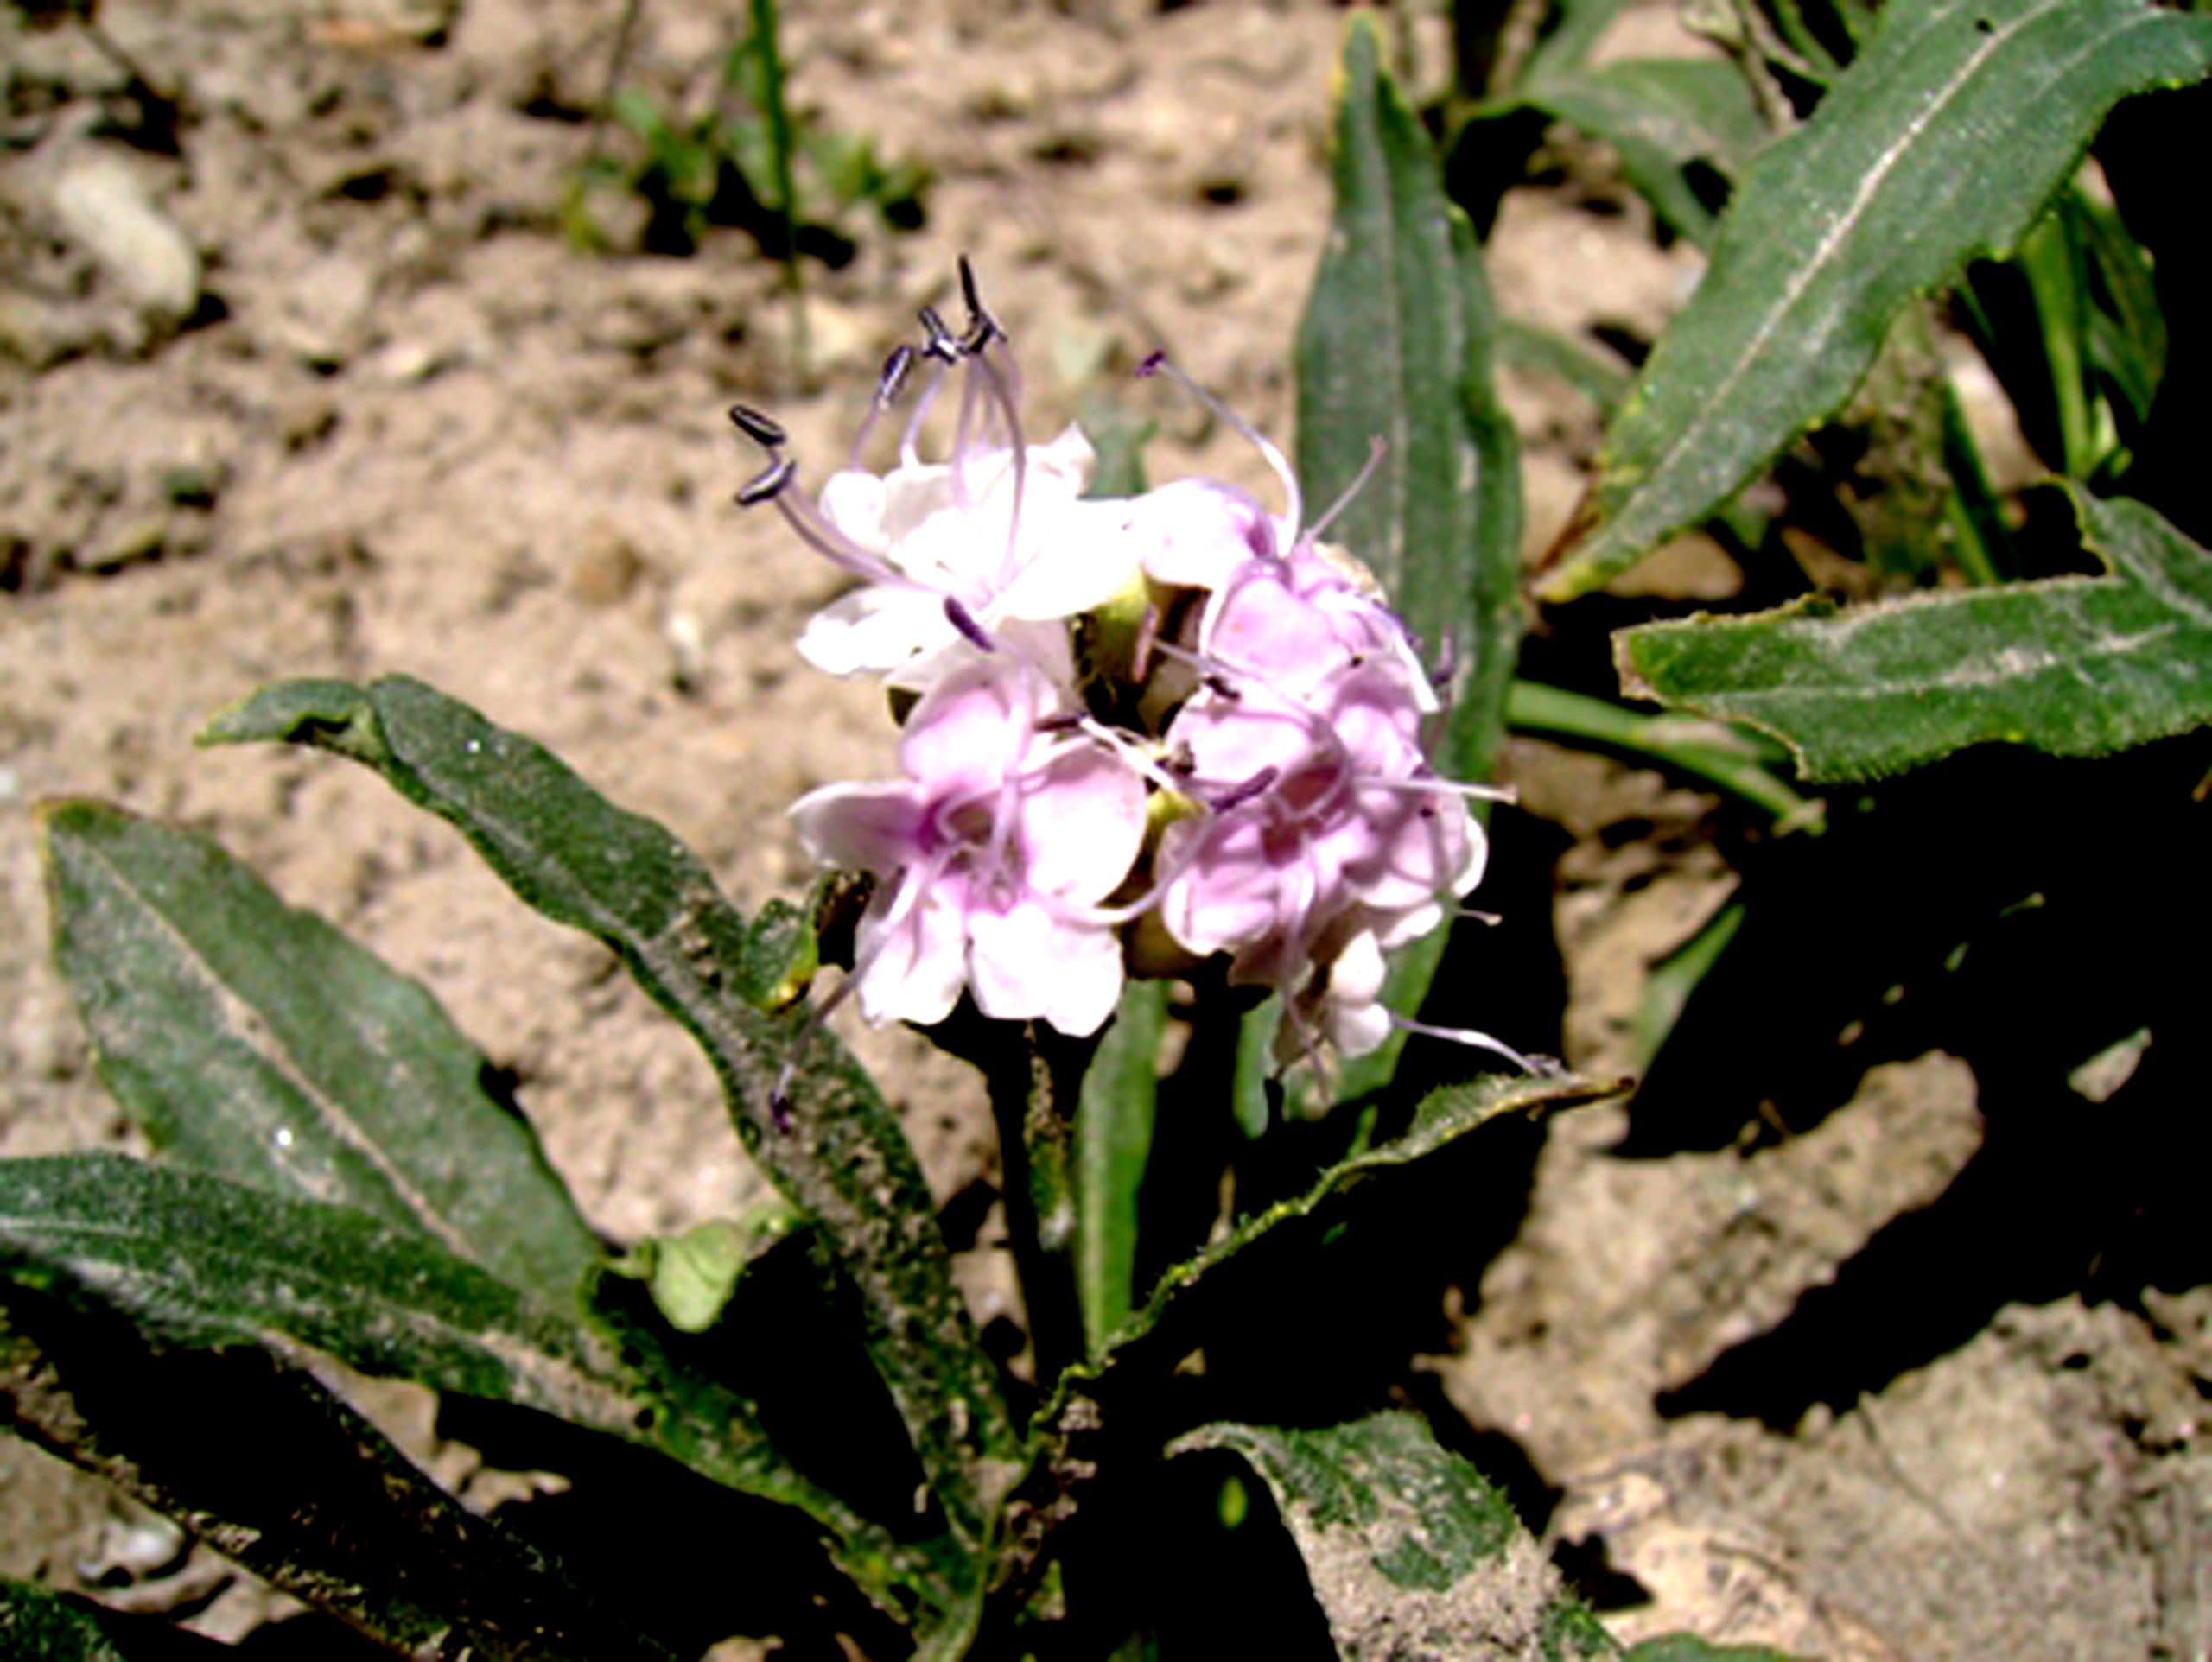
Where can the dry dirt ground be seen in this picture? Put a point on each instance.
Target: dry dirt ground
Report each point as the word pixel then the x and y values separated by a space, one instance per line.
pixel 326 392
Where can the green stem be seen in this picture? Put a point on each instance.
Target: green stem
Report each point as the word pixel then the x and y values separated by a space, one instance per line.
pixel 1980 544
pixel 1716 753
pixel 777 113
pixel 2047 260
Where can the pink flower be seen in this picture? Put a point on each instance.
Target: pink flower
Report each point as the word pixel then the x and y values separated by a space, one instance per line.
pixel 991 856
pixel 1245 736
pixel 1321 824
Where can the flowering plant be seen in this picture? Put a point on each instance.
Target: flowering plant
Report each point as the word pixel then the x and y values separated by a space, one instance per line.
pixel 1172 718
pixel 1189 789
pixel 1182 812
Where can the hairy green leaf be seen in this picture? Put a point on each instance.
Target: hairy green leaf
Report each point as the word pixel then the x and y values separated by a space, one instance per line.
pixel 1403 1540
pixel 255 1041
pixel 39 1625
pixel 1942 142
pixel 1576 27
pixel 1663 116
pixel 2075 666
pixel 195 1260
pixel 1113 1140
pixel 1684 1647
pixel 1173 1319
pixel 809 1115
pixel 1395 348
pixel 341 1520
pixel 1533 350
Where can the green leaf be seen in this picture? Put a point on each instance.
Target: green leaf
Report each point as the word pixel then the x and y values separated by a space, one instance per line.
pixel 2075 666
pixel 1532 349
pixel 1404 1542
pixel 2127 333
pixel 1113 1140
pixel 409 1562
pixel 1576 26
pixel 1944 141
pixel 1735 761
pixel 1175 1314
pixel 39 1625
pixel 1684 1647
pixel 255 1041
pixel 1662 115
pixel 194 1260
pixel 1395 346
pixel 808 1114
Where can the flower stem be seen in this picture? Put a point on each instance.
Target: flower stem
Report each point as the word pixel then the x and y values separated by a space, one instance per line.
pixel 1717 753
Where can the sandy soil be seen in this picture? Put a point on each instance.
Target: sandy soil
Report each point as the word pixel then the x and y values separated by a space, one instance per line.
pixel 359 407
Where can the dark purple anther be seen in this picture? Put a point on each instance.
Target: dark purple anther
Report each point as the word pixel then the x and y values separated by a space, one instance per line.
pixel 1446 658
pixel 768 485
pixel 1154 362
pixel 763 430
pixel 1218 685
pixel 896 368
pixel 1237 796
pixel 982 327
pixel 1059 722
pixel 941 343
pixel 964 620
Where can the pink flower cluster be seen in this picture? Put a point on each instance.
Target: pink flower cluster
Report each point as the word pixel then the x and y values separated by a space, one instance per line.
pixel 1172 714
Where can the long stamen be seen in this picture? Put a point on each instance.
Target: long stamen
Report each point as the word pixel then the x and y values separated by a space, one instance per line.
pixel 825 539
pixel 996 388
pixel 1158 363
pixel 1376 448
pixel 1470 1037
pixel 963 433
pixel 888 385
pixel 1443 788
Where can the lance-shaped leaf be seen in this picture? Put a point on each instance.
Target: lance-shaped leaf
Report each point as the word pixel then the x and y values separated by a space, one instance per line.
pixel 1663 117
pixel 341 1520
pixel 1108 1395
pixel 1113 1140
pixel 808 1114
pixel 1405 1543
pixel 252 1040
pixel 1942 142
pixel 2075 666
pixel 1395 348
pixel 1174 1318
pixel 195 1260
pixel 40 1625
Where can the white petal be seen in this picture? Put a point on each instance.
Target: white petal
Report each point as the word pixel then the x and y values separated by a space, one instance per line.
pixel 1026 964
pixel 1082 821
pixel 1074 560
pixel 1356 1029
pixel 913 970
pixel 854 502
pixel 868 827
pixel 875 629
pixel 1357 975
